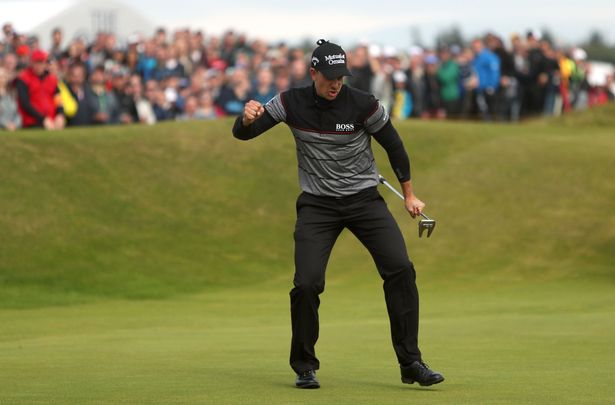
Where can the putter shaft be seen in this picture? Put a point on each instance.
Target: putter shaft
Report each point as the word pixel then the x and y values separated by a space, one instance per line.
pixel 393 189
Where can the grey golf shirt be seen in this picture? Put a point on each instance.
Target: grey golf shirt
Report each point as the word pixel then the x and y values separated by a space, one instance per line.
pixel 333 138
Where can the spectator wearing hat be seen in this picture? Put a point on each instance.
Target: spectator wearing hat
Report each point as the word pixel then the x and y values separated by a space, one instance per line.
pixel 38 95
pixel 402 99
pixel 23 56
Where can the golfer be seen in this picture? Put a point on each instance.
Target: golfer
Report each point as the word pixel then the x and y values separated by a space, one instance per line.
pixel 333 125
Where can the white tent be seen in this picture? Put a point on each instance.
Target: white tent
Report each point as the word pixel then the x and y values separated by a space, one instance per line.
pixel 87 18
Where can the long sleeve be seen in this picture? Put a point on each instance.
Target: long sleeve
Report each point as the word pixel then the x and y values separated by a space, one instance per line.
pixel 259 126
pixel 24 101
pixel 389 139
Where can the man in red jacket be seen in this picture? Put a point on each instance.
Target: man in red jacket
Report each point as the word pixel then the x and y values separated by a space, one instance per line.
pixel 38 95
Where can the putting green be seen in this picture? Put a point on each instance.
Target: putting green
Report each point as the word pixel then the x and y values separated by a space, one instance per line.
pixel 542 343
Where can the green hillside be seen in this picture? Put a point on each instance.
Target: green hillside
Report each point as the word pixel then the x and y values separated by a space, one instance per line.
pixel 150 212
pixel 151 265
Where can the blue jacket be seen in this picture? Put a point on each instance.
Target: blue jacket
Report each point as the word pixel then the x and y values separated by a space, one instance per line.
pixel 487 67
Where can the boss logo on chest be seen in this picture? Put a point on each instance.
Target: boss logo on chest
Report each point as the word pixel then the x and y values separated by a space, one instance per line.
pixel 344 127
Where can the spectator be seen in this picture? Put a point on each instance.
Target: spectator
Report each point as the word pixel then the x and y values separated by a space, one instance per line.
pixel 299 76
pixel 23 57
pixel 487 67
pixel 207 106
pixel 448 80
pixel 198 53
pixel 416 84
pixel 566 66
pixel 402 99
pixel 282 80
pixel 123 91
pixel 191 110
pixel 228 48
pixel 157 100
pixel 552 99
pixel 522 75
pixel 56 44
pixel 235 93
pixel 432 105
pixel 10 64
pixel 38 95
pixel 363 68
pixel 147 61
pixel 264 89
pixel 167 64
pixel 468 81
pixel 508 90
pixel 537 78
pixel 107 107
pixel 145 110
pixel 82 95
pixel 10 119
pixel 9 37
pixel 579 84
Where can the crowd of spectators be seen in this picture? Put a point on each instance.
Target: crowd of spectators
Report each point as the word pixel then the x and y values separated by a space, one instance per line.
pixel 185 75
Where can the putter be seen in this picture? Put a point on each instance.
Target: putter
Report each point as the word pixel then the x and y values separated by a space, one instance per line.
pixel 425 223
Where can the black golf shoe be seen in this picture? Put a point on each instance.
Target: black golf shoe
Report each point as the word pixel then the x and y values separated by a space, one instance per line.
pixel 419 372
pixel 307 379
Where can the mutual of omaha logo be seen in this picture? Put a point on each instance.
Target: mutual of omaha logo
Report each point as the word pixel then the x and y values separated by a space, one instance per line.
pixel 335 59
pixel 344 127
pixel 315 61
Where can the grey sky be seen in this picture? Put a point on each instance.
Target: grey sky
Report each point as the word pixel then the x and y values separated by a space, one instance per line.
pixel 385 21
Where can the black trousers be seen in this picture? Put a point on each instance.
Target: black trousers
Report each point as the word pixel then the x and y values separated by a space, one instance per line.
pixel 320 220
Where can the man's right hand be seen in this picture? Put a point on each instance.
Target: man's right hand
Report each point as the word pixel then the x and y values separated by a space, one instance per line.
pixel 251 112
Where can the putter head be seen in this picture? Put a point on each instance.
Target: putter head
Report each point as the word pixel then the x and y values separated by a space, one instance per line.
pixel 428 224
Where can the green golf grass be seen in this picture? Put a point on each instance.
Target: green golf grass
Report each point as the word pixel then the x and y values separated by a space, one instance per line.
pixel 153 264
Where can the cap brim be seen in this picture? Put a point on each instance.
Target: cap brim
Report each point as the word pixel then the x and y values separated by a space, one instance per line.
pixel 334 73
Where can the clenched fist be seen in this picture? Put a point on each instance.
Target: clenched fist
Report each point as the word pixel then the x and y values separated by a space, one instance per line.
pixel 251 112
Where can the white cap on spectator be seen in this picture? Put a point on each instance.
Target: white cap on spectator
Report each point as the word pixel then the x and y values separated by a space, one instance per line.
pixel 363 42
pixel 416 50
pixel 375 51
pixel 134 38
pixel 399 76
pixel 579 54
pixel 389 51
